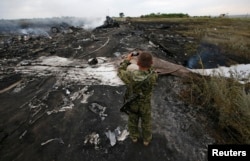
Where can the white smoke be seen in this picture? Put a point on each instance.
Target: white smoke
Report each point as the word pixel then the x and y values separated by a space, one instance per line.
pixel 93 22
pixel 42 26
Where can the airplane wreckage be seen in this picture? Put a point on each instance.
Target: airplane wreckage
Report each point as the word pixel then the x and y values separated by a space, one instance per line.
pixel 60 94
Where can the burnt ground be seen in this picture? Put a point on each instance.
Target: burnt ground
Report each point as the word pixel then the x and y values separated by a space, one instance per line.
pixel 45 109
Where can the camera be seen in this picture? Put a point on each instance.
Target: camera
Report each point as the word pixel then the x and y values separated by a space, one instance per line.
pixel 135 53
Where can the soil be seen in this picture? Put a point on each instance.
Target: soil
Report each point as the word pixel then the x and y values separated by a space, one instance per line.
pixel 45 98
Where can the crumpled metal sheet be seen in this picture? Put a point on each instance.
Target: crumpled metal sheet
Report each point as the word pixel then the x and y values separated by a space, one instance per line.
pixel 163 67
pixel 98 109
pixel 93 138
pixel 117 135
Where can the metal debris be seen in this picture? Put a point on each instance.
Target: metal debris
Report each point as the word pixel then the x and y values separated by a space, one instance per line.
pixel 117 135
pixel 23 134
pixel 67 105
pixel 117 54
pixel 63 109
pixel 11 86
pixel 123 135
pixel 109 23
pixel 98 109
pixel 50 140
pixel 92 61
pixel 67 92
pixel 92 138
pixel 111 136
pixel 83 93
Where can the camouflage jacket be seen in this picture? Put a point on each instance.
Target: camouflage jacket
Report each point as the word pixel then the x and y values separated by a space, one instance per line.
pixel 138 82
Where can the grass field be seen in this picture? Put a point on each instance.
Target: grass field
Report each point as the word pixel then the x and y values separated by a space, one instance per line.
pixel 226 100
pixel 231 34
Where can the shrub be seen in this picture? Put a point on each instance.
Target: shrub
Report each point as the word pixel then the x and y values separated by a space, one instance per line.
pixel 226 100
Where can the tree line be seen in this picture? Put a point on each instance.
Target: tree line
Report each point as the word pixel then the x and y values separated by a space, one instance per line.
pixel 165 15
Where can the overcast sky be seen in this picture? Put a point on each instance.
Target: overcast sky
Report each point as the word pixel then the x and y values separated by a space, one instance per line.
pixel 15 9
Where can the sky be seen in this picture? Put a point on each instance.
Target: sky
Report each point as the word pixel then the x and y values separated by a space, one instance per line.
pixel 16 9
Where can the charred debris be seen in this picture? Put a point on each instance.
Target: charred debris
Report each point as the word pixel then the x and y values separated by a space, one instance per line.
pixel 36 125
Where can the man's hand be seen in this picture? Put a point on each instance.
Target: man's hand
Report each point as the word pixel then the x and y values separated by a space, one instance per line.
pixel 133 53
pixel 129 57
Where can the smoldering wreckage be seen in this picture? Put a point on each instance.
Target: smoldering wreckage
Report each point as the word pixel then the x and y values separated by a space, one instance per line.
pixel 60 94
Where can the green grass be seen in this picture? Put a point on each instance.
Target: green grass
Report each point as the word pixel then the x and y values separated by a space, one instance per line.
pixel 227 101
pixel 230 34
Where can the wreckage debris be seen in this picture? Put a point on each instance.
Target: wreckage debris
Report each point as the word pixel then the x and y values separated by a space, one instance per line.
pixel 98 109
pixel 83 93
pixel 162 67
pixel 93 138
pixel 117 135
pixel 92 61
pixel 23 134
pixel 54 30
pixel 50 140
pixel 72 70
pixel 109 23
pixel 111 136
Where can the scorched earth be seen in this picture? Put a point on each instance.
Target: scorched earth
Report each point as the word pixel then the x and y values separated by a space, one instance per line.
pixel 61 97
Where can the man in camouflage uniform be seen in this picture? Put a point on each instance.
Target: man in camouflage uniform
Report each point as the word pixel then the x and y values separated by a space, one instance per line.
pixel 139 82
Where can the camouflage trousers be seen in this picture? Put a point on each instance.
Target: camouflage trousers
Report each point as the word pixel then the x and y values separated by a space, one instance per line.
pixel 142 113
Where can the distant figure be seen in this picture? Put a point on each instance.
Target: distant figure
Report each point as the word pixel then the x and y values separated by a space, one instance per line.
pixel 139 86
